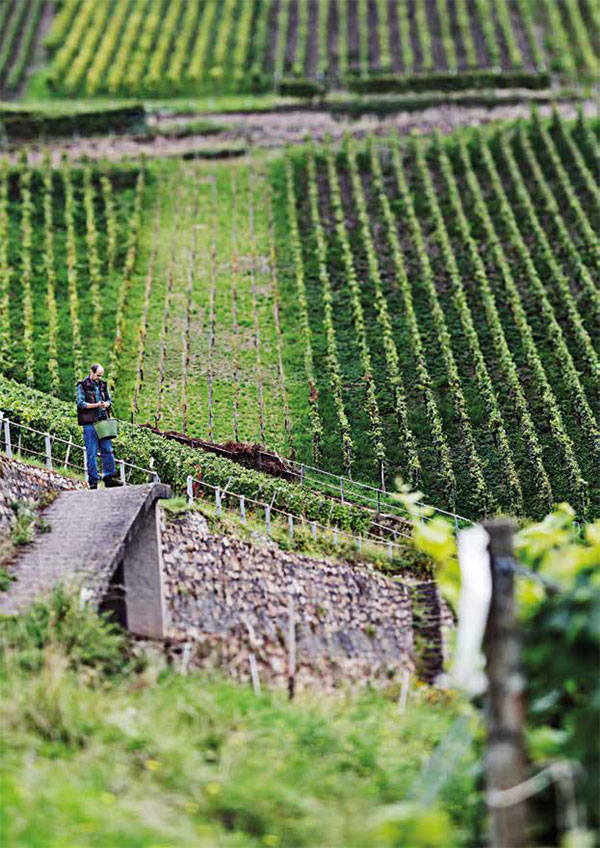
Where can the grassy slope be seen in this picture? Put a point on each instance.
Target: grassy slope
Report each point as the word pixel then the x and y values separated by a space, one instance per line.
pixel 99 752
pixel 200 204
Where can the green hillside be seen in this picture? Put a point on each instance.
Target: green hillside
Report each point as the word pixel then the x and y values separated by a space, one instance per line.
pixel 426 308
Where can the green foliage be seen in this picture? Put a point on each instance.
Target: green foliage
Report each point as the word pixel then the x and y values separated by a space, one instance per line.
pixel 173 461
pixel 562 645
pixel 98 749
pixel 67 627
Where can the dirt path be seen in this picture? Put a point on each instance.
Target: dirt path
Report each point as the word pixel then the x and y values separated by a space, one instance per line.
pixel 274 129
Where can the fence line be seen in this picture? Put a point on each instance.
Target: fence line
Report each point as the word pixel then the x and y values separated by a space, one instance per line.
pixel 389 547
pixel 53 463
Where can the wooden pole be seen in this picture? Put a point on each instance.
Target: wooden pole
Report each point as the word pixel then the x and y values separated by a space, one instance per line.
pixel 505 757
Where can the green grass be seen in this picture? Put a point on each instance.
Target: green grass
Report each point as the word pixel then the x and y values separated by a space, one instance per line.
pixel 99 750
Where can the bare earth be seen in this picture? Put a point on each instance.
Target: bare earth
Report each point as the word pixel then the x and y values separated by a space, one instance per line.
pixel 274 129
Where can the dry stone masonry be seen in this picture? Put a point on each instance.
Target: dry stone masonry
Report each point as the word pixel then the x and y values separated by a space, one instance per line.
pixel 30 486
pixel 229 598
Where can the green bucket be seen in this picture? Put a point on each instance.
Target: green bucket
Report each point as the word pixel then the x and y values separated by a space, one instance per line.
pixel 107 429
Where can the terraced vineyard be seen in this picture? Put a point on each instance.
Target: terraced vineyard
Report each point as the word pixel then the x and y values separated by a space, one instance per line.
pixel 448 298
pixel 165 47
pixel 429 308
pixel 20 25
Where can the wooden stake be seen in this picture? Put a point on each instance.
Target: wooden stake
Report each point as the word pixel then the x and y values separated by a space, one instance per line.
pixel 505 758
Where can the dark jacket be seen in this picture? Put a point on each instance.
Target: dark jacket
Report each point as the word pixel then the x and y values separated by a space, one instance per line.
pixel 90 416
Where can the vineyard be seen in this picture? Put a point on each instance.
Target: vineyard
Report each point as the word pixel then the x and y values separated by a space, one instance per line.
pixel 159 48
pixel 424 307
pixel 447 297
pixel 21 22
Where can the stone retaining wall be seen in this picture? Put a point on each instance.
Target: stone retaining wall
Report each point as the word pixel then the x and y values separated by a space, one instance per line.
pixel 31 486
pixel 228 598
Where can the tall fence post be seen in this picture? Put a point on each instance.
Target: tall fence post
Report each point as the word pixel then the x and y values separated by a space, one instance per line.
pixel 218 500
pixel 291 525
pixel 7 442
pixel 243 508
pixel 122 477
pixel 268 519
pixel 68 453
pixel 505 757
pixel 190 489
pixel 48 444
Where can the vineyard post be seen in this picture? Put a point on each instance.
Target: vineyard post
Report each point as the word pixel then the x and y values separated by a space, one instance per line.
pixel 48 444
pixel 505 756
pixel 7 444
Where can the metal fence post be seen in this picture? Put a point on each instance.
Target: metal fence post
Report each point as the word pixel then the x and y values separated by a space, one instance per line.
pixel 313 527
pixel 48 444
pixel 7 442
pixel 389 548
pixel 268 519
pixel 68 453
pixel 122 472
pixel 302 475
pixel 359 543
pixel 335 535
pixel 243 508
pixel 291 526
pixel 190 489
pixel 218 500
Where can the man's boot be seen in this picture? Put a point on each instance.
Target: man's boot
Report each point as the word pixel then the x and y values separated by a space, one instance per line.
pixel 111 481
pixel 93 484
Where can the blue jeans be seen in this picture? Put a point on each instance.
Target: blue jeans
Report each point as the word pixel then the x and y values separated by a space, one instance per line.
pixel 92 444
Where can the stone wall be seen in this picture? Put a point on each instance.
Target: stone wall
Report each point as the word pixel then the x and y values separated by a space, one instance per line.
pixel 34 487
pixel 228 598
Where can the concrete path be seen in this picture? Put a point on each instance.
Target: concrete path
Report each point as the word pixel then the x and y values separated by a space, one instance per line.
pixel 93 533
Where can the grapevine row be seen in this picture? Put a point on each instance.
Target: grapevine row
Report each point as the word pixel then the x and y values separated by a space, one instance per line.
pixel 495 420
pixel 333 362
pixel 550 405
pixel 502 350
pixel 481 493
pixel 376 431
pixel 425 384
pixel 72 266
pixel 592 293
pixel 5 270
pixel 533 225
pixel 554 331
pixel 383 319
pixel 49 267
pixel 302 301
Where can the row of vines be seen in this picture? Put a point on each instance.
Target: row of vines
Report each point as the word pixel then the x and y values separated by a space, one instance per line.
pixel 164 47
pixel 69 236
pixel 20 23
pixel 444 296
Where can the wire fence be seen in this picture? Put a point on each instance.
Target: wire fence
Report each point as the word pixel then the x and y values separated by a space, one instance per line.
pixel 18 441
pixel 391 545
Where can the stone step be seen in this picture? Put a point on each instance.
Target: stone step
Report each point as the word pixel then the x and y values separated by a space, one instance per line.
pixel 95 535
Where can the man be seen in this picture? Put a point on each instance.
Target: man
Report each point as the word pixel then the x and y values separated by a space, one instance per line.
pixel 93 399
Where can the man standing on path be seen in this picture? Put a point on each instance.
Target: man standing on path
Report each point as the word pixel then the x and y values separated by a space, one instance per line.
pixel 93 399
